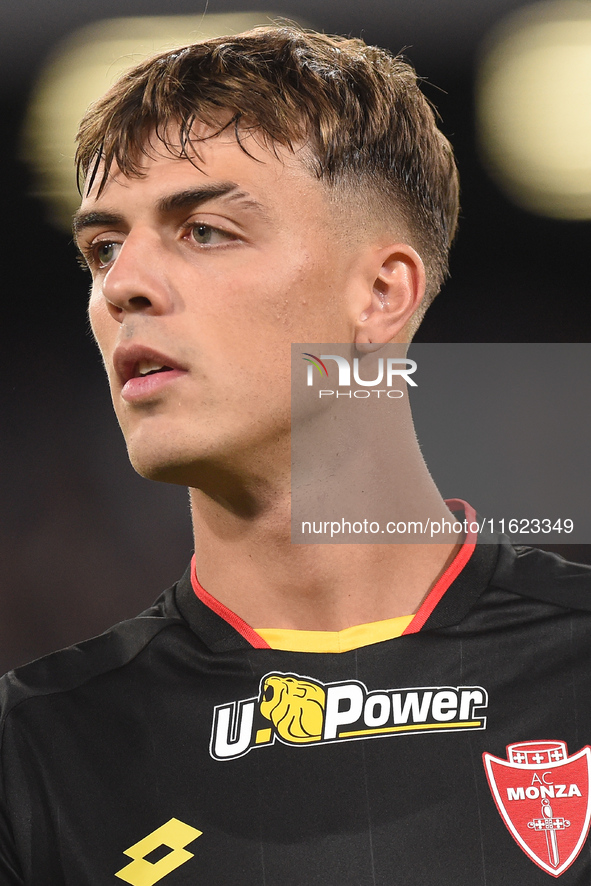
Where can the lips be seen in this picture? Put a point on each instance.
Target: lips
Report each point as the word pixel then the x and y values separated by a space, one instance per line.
pixel 142 371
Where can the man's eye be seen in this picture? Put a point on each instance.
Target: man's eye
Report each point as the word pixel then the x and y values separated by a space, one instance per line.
pixel 205 235
pixel 106 253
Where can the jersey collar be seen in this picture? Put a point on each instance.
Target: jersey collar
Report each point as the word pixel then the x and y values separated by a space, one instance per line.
pixel 446 604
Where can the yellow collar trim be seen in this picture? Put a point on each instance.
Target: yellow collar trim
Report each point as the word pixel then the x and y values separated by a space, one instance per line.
pixel 335 641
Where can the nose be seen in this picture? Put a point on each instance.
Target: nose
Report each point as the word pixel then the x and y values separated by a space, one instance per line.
pixel 137 281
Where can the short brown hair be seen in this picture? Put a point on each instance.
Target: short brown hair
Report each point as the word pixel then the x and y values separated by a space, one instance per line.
pixel 358 108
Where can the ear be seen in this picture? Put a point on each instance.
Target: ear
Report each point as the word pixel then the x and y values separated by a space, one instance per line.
pixel 396 286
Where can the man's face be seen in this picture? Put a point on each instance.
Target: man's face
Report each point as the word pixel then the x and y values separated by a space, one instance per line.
pixel 202 279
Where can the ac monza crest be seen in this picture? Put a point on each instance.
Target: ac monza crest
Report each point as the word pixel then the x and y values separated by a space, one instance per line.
pixel 543 797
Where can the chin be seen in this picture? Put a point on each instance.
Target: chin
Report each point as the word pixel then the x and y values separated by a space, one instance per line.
pixel 175 464
pixel 162 466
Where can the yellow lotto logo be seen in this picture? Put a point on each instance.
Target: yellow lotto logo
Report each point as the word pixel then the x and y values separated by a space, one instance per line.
pixel 175 835
pixel 298 710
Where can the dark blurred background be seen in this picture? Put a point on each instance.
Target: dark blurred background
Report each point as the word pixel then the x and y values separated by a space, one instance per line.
pixel 85 542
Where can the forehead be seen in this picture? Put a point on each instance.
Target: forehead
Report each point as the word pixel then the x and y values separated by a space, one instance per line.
pixel 270 176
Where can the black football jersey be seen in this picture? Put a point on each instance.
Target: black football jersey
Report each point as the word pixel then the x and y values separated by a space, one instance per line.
pixel 178 749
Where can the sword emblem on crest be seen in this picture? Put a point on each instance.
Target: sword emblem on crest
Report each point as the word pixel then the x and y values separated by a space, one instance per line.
pixel 544 799
pixel 550 825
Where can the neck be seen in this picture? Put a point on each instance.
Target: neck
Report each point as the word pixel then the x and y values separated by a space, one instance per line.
pixel 243 533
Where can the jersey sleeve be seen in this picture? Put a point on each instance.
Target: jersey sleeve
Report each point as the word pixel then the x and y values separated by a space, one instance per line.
pixel 10 868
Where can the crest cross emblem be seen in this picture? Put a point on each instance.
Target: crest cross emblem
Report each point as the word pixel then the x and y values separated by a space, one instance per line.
pixel 543 796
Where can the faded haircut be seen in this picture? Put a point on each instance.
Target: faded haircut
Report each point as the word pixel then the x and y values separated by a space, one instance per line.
pixel 367 127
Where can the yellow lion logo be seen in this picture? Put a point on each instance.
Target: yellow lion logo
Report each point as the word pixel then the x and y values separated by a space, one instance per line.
pixel 294 706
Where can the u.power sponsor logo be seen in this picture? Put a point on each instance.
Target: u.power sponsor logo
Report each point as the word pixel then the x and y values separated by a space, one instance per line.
pixel 298 710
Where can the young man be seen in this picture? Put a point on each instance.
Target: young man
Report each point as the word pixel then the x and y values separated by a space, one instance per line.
pixel 290 714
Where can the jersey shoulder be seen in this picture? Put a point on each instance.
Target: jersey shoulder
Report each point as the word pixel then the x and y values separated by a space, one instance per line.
pixel 544 576
pixel 75 665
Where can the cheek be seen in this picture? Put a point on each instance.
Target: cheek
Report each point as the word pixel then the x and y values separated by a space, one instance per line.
pixel 100 321
pixel 293 297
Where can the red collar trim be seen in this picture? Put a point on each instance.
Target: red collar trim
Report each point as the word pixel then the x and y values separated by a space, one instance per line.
pixel 425 610
pixel 452 571
pixel 237 623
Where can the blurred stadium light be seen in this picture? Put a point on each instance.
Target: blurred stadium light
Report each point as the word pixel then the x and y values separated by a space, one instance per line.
pixel 82 68
pixel 533 103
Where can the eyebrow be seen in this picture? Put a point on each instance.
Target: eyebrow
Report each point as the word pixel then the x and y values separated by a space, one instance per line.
pixel 189 197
